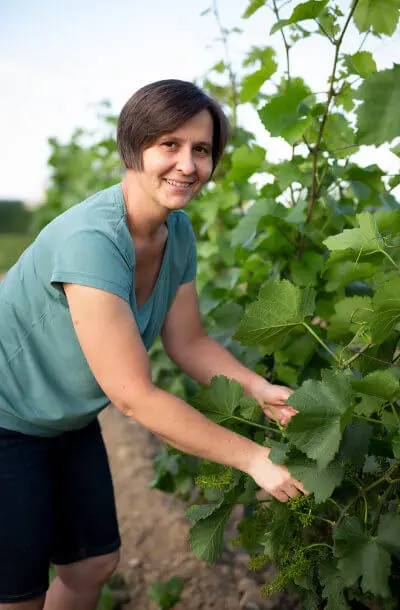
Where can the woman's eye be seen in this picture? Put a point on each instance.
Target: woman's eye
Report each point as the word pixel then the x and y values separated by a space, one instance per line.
pixel 169 144
pixel 202 150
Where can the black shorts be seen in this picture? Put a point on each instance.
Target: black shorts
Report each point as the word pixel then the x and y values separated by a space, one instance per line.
pixel 56 506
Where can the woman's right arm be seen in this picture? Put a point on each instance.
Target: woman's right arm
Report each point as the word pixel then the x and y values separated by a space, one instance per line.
pixel 113 348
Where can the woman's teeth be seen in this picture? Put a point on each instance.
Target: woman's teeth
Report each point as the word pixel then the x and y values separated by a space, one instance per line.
pixel 179 184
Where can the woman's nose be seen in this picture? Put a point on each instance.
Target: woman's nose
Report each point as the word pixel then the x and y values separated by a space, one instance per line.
pixel 185 162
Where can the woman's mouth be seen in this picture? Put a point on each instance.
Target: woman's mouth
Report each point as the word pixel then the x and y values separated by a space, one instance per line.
pixel 179 185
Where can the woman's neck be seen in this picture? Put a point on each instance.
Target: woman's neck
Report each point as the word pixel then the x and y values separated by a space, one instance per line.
pixel 144 216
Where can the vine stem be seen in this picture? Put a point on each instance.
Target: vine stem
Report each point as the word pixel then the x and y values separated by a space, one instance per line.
pixel 361 353
pixel 324 31
pixel 232 77
pixel 314 334
pixel 380 508
pixel 395 414
pixel 285 42
pixel 356 355
pixel 331 94
pixel 389 257
pixel 250 423
pixel 374 421
pixel 338 506
pixel 363 492
pixel 317 544
pixel 331 523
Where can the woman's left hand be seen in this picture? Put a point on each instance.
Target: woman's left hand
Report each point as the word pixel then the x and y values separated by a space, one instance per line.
pixel 271 399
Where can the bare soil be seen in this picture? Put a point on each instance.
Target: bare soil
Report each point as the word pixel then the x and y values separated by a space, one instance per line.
pixel 154 535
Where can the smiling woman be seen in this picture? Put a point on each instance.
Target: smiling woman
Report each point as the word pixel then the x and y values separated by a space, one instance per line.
pixel 79 310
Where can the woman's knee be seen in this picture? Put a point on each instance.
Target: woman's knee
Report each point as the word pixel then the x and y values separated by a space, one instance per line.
pixel 88 573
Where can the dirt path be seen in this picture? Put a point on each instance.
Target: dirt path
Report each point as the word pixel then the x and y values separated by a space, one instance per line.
pixel 154 533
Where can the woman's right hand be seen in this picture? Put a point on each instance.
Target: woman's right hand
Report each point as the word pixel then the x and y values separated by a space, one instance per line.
pixel 274 479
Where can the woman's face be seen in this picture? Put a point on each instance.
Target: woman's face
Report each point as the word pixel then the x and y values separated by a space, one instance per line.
pixel 178 164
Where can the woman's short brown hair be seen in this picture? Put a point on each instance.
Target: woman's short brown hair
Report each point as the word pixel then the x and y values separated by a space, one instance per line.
pixel 160 108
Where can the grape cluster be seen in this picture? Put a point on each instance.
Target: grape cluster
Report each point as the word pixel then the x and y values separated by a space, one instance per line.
pixel 295 564
pixel 211 480
pixel 222 480
pixel 257 562
pixel 299 505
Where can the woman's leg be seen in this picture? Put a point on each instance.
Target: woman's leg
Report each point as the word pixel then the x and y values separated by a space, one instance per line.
pixel 25 519
pixel 78 585
pixel 86 537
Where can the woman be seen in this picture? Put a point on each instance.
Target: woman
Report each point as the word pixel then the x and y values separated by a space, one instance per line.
pixel 78 312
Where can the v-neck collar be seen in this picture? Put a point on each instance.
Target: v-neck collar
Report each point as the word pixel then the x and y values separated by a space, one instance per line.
pixel 164 258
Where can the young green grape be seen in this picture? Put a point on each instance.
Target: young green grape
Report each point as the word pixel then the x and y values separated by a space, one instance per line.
pixel 295 564
pixel 299 505
pixel 257 562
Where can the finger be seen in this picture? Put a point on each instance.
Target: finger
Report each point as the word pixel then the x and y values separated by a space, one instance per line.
pixel 269 412
pixel 280 495
pixel 292 491
pixel 301 487
pixel 284 415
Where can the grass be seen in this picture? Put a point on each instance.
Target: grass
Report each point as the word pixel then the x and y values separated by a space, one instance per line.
pixel 12 246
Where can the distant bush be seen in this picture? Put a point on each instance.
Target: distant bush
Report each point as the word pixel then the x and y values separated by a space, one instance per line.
pixel 14 217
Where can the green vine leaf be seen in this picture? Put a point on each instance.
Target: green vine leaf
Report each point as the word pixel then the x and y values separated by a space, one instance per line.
pixel 382 384
pixel 361 63
pixel 219 401
pixel 386 314
pixel 333 583
pixel 197 512
pixel 340 275
pixel 368 405
pixel 249 408
pixel 247 225
pixel 165 594
pixel 350 316
pixel 381 16
pixel 361 555
pixel 355 442
pixel 365 239
pixel 252 83
pixel 245 162
pixel 252 8
pixel 378 120
pixel 306 10
pixel 281 528
pixel 396 446
pixel 317 428
pixel 305 271
pixel 279 451
pixel 389 533
pixel 281 115
pixel 320 481
pixel 207 535
pixel 279 308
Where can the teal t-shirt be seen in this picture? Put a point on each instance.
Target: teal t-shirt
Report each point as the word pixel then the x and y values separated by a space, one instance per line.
pixel 46 385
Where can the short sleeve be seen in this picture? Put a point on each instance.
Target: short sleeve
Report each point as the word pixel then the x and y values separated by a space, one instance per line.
pixel 190 270
pixel 92 258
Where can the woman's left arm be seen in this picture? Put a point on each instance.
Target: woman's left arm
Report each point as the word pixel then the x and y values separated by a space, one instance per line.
pixel 201 357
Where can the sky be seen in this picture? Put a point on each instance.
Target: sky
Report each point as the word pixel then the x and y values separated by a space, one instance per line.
pixel 59 59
